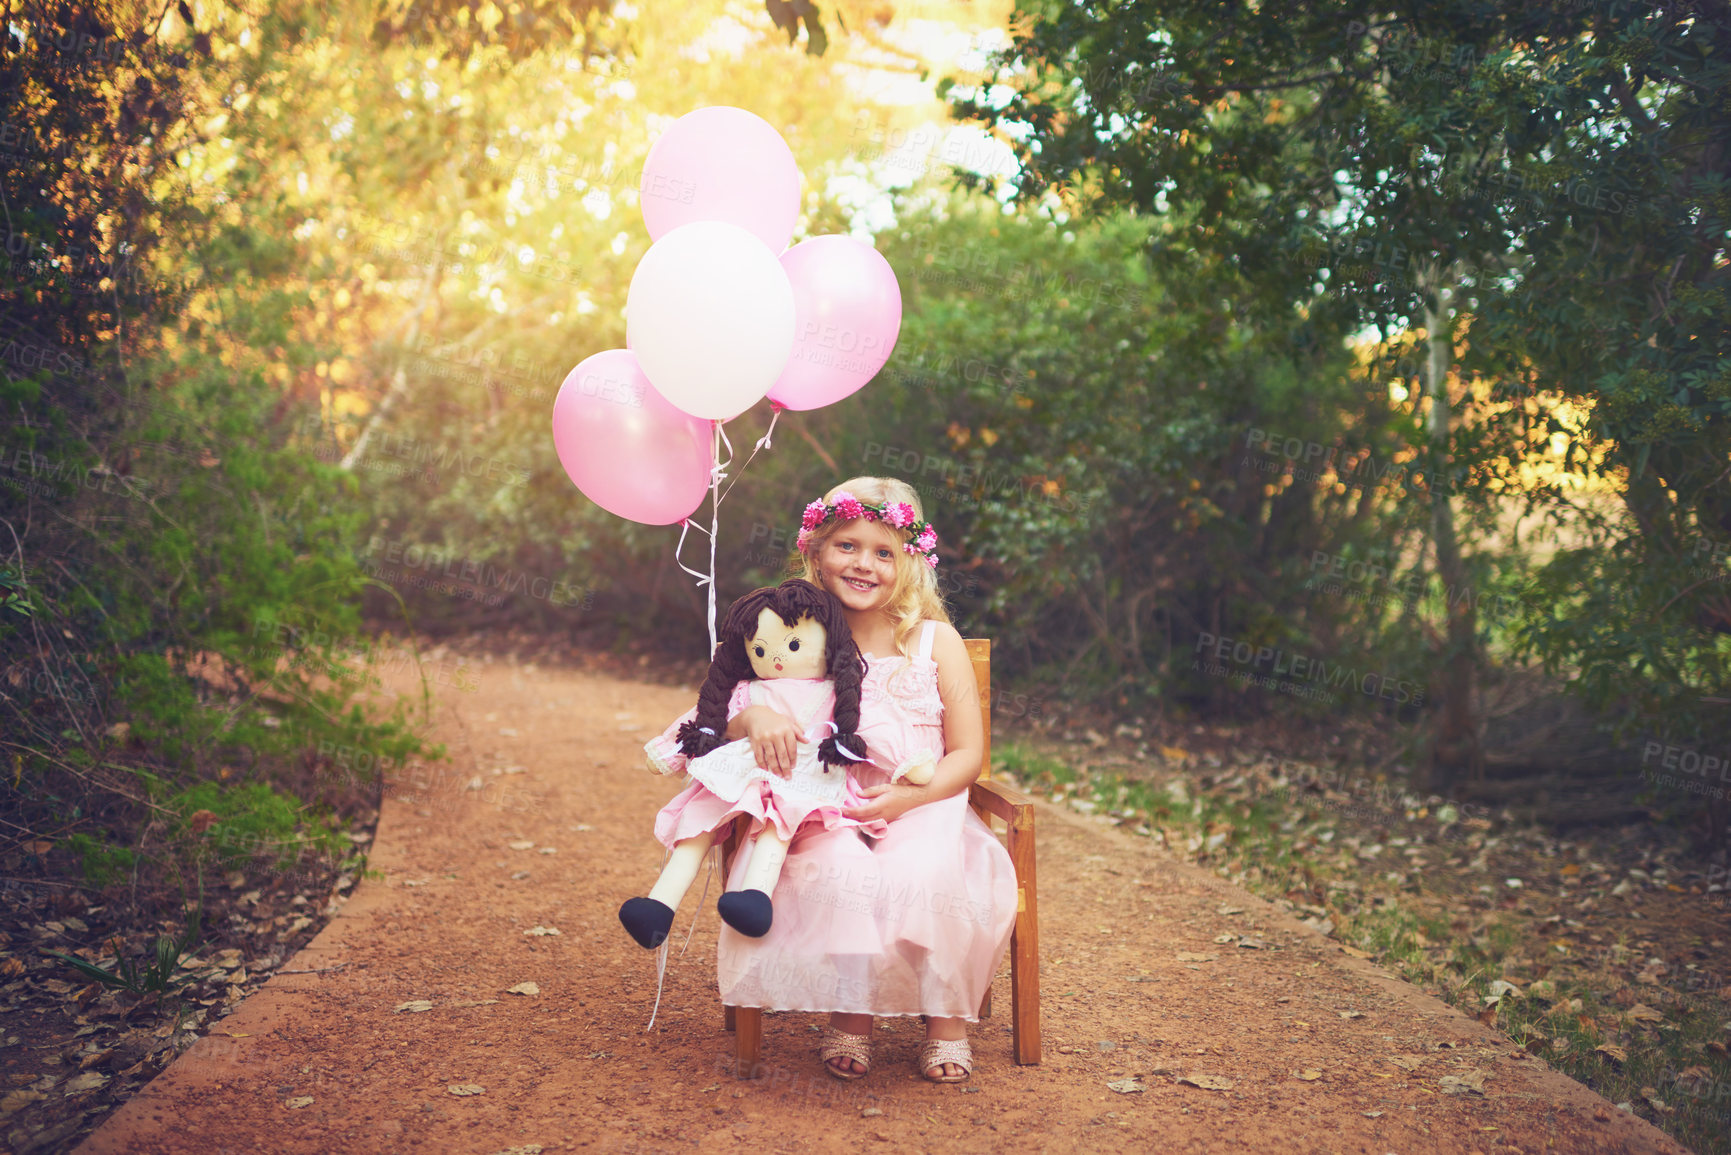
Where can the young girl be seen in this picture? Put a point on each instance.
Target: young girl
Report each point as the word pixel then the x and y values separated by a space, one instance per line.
pixel 918 921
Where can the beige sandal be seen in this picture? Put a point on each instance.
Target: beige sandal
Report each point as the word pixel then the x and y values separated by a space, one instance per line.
pixel 841 1045
pixel 936 1052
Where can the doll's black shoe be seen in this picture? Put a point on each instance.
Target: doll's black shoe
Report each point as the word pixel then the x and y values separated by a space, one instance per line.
pixel 647 920
pixel 747 911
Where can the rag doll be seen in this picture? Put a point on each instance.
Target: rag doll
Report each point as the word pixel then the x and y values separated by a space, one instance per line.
pixel 787 647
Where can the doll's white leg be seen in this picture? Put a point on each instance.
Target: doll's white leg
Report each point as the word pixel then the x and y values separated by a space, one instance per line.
pixel 648 920
pixel 681 869
pixel 768 853
pixel 748 909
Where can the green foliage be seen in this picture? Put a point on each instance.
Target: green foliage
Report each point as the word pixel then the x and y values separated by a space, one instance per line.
pixel 100 862
pixel 161 518
pixel 1559 167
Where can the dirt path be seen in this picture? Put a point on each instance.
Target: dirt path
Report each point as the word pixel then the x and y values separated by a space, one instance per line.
pixel 1322 1052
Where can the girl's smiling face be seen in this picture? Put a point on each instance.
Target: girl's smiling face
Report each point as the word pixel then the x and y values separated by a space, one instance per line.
pixel 858 564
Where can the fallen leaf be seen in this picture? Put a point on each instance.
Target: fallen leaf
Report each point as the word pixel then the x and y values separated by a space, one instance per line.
pixel 1371 1114
pixel 1225 938
pixel 539 931
pixel 1126 1086
pixel 521 844
pixel 466 1089
pixel 1350 1014
pixel 1193 956
pixel 473 1002
pixel 1642 1013
pixel 1613 1052
pixel 1249 943
pixel 1356 953
pixel 1309 1075
pixel 1406 1062
pixel 16 1101
pixel 1543 989
pixel 1207 1082
pixel 1473 1081
pixel 528 988
pixel 414 1005
pixel 298 1102
pixel 1694 1078
pixel 1226 908
pixel 1502 987
pixel 870 1112
pixel 88 1081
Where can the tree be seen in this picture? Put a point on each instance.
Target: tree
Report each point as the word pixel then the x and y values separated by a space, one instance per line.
pixel 1377 158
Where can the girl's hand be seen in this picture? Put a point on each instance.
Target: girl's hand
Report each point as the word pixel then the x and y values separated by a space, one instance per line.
pixel 774 738
pixel 889 801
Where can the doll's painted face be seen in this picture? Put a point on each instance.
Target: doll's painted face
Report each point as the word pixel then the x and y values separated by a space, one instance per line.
pixel 778 650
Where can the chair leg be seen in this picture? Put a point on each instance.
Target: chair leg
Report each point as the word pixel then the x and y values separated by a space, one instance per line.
pixel 747 1040
pixel 727 1018
pixel 1025 945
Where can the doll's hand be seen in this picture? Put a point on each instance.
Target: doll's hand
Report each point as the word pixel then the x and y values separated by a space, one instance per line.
pixel 774 738
pixel 888 802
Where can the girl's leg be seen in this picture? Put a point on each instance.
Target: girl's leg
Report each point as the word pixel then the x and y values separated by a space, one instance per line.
pixel 853 1025
pixel 947 1029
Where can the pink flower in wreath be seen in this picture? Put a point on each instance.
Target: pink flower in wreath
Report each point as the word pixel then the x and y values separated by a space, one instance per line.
pixel 932 560
pixel 804 536
pixel 900 514
pixel 813 516
pixel 927 540
pixel 847 506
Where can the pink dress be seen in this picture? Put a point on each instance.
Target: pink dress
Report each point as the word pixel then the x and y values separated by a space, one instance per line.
pixel 916 922
pixel 726 782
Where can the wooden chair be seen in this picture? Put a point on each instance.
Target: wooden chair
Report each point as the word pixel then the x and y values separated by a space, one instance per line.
pixel 988 799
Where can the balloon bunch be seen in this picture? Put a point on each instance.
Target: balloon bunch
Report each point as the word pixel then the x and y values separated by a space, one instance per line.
pixel 720 314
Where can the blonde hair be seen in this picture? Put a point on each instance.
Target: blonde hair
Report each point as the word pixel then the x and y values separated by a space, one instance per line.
pixel 915 596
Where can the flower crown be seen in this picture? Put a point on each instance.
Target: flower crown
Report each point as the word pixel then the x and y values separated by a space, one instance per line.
pixel 900 514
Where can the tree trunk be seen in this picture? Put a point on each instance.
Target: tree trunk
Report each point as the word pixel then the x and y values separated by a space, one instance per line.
pixel 1454 750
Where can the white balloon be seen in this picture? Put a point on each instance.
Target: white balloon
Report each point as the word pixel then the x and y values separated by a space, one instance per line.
pixel 710 318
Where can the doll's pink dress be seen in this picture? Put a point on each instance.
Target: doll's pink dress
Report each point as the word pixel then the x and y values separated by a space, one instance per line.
pixel 726 782
pixel 915 922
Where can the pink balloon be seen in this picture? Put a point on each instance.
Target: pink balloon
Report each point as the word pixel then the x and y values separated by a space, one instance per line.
pixel 847 313
pixel 721 164
pixel 625 445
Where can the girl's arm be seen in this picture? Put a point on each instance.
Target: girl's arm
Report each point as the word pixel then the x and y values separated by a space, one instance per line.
pixel 964 734
pixel 964 737
pixel 773 735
